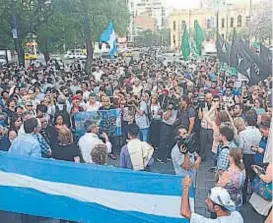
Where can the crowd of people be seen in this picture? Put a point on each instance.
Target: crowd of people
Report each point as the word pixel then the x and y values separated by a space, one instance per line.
pixel 184 112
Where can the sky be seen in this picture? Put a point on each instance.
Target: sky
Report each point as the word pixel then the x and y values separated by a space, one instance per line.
pixel 185 4
pixel 179 4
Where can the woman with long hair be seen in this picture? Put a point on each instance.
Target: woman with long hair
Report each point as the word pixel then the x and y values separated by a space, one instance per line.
pixel 258 106
pixel 15 122
pixel 234 177
pixel 66 148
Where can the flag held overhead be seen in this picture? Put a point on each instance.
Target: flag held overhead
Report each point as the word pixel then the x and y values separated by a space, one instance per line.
pixel 185 44
pixel 109 36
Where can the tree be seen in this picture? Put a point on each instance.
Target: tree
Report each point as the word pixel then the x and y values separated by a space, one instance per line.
pixel 148 38
pixel 25 17
pixel 59 24
pixel 260 25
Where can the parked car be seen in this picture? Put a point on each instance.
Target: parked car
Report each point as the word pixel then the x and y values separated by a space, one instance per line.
pixel 76 55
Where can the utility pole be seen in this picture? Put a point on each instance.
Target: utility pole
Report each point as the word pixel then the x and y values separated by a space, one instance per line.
pixel 15 34
pixel 249 19
pixel 88 39
pixel 217 18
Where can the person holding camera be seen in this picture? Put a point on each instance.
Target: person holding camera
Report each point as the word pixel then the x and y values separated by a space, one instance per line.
pixel 90 139
pixel 184 156
pixel 166 141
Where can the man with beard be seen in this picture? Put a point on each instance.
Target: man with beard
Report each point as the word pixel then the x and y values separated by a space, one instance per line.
pixel 228 97
pixel 238 111
pixel 186 114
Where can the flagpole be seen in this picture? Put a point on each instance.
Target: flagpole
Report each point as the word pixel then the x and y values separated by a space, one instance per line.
pixel 233 41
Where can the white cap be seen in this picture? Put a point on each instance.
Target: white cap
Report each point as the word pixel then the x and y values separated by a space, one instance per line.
pixel 221 197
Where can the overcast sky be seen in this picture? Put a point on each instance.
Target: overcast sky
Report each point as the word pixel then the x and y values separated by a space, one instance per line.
pixel 181 4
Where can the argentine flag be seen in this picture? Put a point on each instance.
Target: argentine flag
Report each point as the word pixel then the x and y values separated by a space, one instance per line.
pixel 88 193
pixel 109 36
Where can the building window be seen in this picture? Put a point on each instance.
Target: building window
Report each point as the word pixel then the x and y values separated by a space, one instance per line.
pixel 239 21
pixel 247 20
pixel 231 22
pixel 174 25
pixel 183 23
pixel 208 23
pixel 174 40
pixel 223 23
pixel 223 36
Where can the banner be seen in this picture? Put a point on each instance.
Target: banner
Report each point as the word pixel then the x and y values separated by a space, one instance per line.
pixel 87 192
pixel 108 120
pixel 223 49
pixel 266 56
pixel 247 62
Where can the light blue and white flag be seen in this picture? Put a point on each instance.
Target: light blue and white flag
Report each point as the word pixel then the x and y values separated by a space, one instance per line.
pixel 88 193
pixel 109 36
pixel 108 120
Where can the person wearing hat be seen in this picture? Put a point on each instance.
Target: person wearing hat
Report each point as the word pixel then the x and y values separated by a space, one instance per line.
pixel 218 201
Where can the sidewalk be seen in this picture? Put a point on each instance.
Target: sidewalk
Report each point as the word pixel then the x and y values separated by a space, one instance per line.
pixel 205 181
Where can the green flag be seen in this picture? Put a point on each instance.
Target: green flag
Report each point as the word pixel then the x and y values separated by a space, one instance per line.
pixel 199 37
pixel 185 44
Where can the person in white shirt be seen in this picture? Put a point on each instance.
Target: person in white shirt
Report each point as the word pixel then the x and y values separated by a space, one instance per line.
pixel 92 104
pixel 85 91
pixel 137 88
pixel 218 201
pixel 90 139
pixel 97 74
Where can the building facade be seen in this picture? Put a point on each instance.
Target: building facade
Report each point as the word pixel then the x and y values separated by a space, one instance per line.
pixel 153 11
pixel 229 17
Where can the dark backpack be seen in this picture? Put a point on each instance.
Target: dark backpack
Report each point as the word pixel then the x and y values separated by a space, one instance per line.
pixel 64 114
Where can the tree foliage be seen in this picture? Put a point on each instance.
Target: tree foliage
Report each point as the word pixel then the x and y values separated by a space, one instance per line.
pixel 59 24
pixel 148 38
pixel 261 23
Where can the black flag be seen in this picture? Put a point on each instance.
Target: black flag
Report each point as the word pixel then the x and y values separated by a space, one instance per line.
pixel 266 56
pixel 247 62
pixel 239 58
pixel 223 49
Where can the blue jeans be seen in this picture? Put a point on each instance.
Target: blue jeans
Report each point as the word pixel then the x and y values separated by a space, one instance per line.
pixel 144 134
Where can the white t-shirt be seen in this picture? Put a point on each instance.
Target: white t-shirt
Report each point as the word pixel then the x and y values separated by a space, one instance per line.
pixel 234 217
pixel 87 143
pixel 142 120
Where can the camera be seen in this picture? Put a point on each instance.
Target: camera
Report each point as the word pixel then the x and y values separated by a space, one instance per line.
pixel 187 144
pixel 132 103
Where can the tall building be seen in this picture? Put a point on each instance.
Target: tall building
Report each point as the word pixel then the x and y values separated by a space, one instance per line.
pixel 230 17
pixel 151 8
pixel 146 14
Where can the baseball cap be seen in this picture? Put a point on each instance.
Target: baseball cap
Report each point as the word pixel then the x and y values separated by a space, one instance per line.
pixel 76 98
pixel 221 197
pixel 29 103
